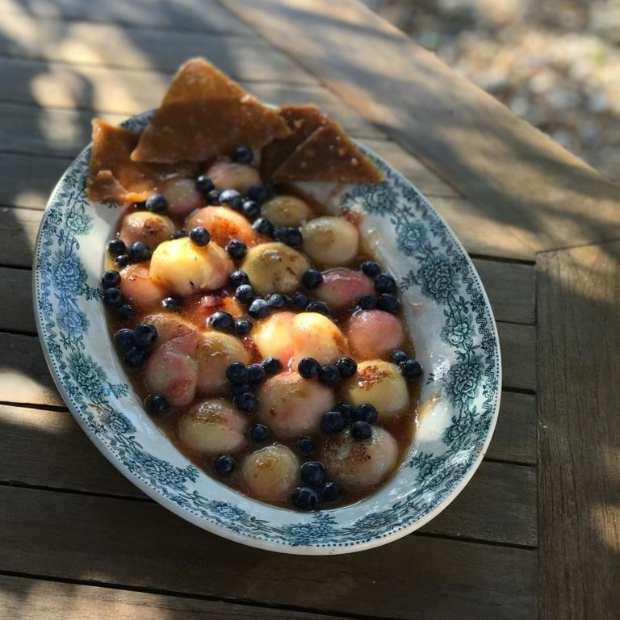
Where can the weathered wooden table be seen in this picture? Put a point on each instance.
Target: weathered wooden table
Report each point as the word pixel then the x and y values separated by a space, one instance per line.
pixel 536 532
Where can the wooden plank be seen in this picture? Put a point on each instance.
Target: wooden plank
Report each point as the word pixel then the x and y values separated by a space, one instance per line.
pixel 515 434
pixel 195 15
pixel 18 232
pixel 35 599
pixel 16 310
pixel 579 355
pixel 139 544
pixel 516 175
pixel 518 345
pixel 107 45
pixel 47 448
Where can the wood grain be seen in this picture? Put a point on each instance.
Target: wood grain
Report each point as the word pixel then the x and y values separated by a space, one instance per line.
pixel 140 544
pixel 18 233
pixel 518 346
pixel 35 599
pixel 515 175
pixel 579 449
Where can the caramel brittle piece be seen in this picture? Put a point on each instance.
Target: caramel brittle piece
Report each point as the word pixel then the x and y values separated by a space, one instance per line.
pixel 206 114
pixel 328 155
pixel 302 120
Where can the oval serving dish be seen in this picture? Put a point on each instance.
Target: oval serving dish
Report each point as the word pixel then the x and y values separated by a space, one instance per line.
pixel 448 316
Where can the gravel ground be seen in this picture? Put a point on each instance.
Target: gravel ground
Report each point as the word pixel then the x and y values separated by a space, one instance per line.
pixel 554 62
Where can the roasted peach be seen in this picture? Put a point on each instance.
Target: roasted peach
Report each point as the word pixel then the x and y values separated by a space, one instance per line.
pixel 271 473
pixel 342 287
pixel 223 224
pixel 139 288
pixel 314 335
pixel 150 228
pixel 273 336
pixel 287 211
pixel 231 175
pixel 182 196
pixel 330 241
pixel 373 334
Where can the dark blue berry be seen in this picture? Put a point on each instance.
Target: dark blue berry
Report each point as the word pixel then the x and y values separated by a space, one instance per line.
pixel 329 375
pixel 116 247
pixel 224 464
pixel 237 373
pixel 112 297
pixel 318 306
pixel 246 402
pixel 365 413
pixel 124 339
pixel 312 278
pixel 156 404
pixel 367 302
pixel 251 209
pixel 305 498
pixel 385 283
pixel 236 249
pixel 179 234
pixel 276 301
pixel 347 367
pixel 156 203
pixel 313 473
pixel 243 155
pixel 398 356
pixel 370 268
pixel 213 197
pixel 308 367
pixel 125 311
pixel 347 411
pixel 272 365
pixel 361 430
pixel 122 260
pixel 410 369
pixel 258 193
pixel 243 327
pixel 306 445
pixel 236 278
pixel 256 374
pixel 333 422
pixel 139 251
pixel 240 388
pixel 331 492
pixel 172 303
pixel 222 321
pixel 146 335
pixel 200 235
pixel 388 303
pixel 263 226
pixel 111 279
pixel 299 300
pixel 135 357
pixel 204 185
pixel 258 309
pixel 259 432
pixel 289 235
pixel 231 198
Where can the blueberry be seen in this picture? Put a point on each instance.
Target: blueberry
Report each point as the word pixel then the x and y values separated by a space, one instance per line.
pixel 111 279
pixel 179 234
pixel 263 226
pixel 112 297
pixel 251 209
pixel 125 311
pixel 224 464
pixel 305 445
pixel 236 249
pixel 124 339
pixel 361 430
pixel 116 247
pixel 139 251
pixel 299 300
pixel 385 283
pixel 237 373
pixel 213 197
pixel 388 303
pixel 398 356
pixel 318 306
pixel 222 321
pixel 204 185
pixel 289 235
pixel 231 198
pixel 200 235
pixel 156 404
pixel 256 374
pixel 258 309
pixel 312 278
pixel 272 365
pixel 122 260
pixel 333 422
pixel 243 327
pixel 370 268
pixel 258 193
pixel 365 413
pixel 242 155
pixel 135 357
pixel 245 402
pixel 347 411
pixel 331 491
pixel 308 367
pixel 236 278
pixel 347 367
pixel 367 302
pixel 259 432
pixel 240 388
pixel 410 369
pixel 276 301
pixel 329 375
pixel 313 473
pixel 156 203
pixel 305 498
pixel 145 335
pixel 172 303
